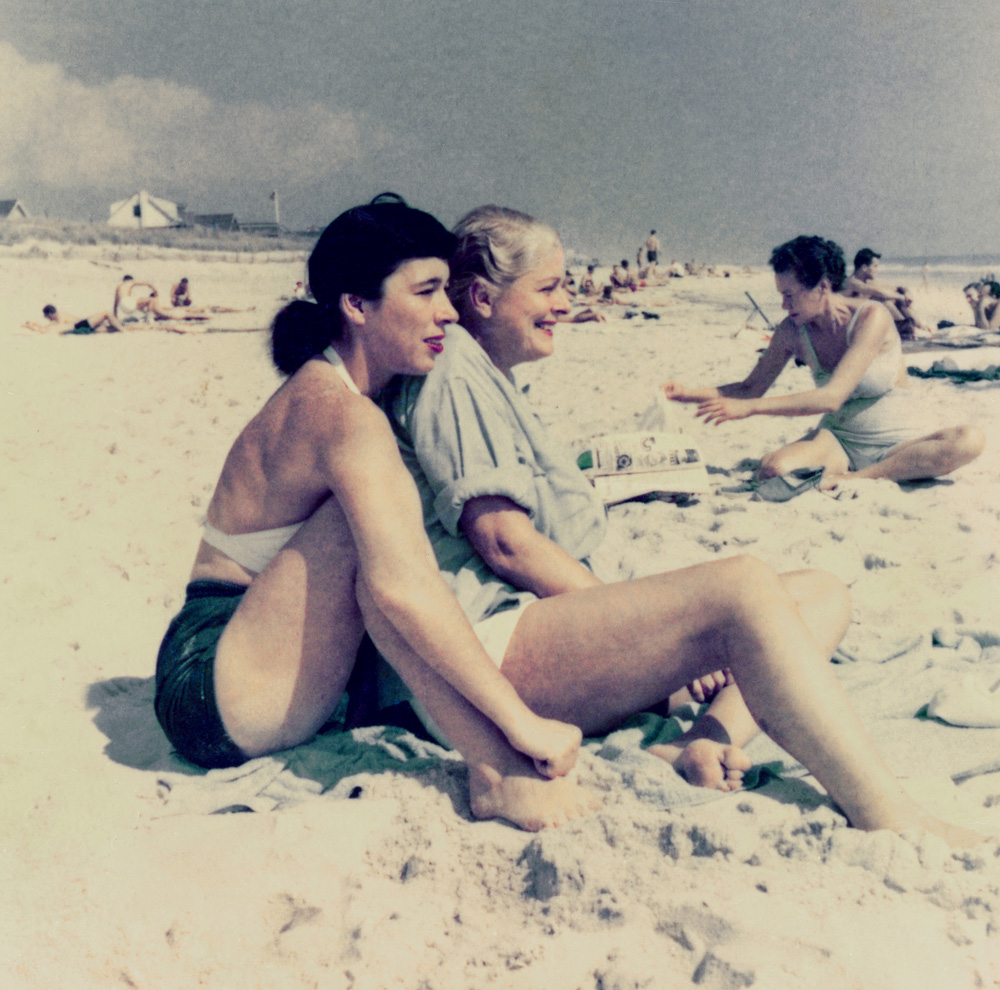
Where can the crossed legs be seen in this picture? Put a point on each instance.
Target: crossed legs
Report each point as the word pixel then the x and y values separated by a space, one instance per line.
pixel 931 456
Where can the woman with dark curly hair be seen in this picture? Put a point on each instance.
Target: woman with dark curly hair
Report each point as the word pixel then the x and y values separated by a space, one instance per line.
pixel 873 425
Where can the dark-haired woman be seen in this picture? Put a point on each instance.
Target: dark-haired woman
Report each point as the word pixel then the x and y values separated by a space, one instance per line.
pixel 873 425
pixel 315 533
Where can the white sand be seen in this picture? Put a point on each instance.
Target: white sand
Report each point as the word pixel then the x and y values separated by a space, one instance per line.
pixel 112 445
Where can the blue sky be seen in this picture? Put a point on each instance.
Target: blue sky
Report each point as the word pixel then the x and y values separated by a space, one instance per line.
pixel 729 125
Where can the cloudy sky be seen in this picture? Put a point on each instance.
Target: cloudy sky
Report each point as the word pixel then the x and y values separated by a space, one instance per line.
pixel 729 125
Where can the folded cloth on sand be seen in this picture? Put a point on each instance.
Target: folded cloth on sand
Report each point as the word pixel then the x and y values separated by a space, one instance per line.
pixel 972 701
pixel 781 487
pixel 948 369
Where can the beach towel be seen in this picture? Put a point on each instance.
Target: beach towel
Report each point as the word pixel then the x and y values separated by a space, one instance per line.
pixel 893 686
pixel 948 369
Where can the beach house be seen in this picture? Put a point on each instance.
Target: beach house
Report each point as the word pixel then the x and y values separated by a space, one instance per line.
pixel 143 210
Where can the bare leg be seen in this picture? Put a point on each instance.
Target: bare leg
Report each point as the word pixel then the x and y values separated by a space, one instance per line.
pixel 503 783
pixel 821 451
pixel 931 456
pixel 710 753
pixel 598 655
pixel 285 657
pixel 98 318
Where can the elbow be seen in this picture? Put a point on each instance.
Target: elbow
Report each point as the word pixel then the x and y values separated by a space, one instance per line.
pixel 500 554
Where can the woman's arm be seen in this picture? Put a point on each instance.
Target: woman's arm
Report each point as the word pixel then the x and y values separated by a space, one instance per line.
pixel 505 537
pixel 993 323
pixel 366 474
pixel 867 341
pixel 764 374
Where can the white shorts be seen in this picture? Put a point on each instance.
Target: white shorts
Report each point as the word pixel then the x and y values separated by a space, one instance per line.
pixel 494 633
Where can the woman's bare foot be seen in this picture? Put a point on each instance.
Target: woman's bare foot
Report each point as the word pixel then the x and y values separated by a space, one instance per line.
pixel 706 763
pixel 520 795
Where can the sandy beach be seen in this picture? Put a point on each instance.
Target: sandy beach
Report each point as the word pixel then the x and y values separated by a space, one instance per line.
pixel 116 874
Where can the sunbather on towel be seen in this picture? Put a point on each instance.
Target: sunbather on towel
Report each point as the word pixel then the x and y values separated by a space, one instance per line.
pixel 873 424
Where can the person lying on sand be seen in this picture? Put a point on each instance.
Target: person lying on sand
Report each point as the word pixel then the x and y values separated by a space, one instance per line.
pixel 897 300
pixel 874 425
pixel 180 297
pixel 512 521
pixel 314 534
pixel 54 323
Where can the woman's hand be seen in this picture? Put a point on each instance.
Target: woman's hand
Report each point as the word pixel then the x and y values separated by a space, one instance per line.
pixel 552 745
pixel 681 393
pixel 706 688
pixel 721 410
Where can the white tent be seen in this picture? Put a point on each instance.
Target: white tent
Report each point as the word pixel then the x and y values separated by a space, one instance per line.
pixel 143 210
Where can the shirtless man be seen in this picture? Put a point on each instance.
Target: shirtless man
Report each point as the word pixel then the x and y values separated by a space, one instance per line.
pixel 898 301
pixel 71 325
pixel 652 248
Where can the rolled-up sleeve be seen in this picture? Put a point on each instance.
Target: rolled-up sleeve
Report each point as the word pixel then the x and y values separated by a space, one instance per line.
pixel 467 448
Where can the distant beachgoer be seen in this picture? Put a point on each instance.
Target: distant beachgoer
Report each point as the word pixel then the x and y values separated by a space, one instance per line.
pixel 126 305
pixel 96 323
pixel 588 287
pixel 569 283
pixel 513 521
pixel 180 294
pixel 652 248
pixel 984 299
pixel 151 306
pixel 897 300
pixel 874 424
pixel 315 533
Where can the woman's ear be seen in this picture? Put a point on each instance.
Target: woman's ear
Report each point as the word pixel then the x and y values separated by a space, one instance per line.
pixel 481 298
pixel 825 285
pixel 352 308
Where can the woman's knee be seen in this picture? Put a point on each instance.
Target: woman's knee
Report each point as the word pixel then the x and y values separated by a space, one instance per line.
pixel 746 582
pixel 969 443
pixel 816 585
pixel 772 464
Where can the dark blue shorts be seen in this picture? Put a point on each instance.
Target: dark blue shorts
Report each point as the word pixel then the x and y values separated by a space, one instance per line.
pixel 185 675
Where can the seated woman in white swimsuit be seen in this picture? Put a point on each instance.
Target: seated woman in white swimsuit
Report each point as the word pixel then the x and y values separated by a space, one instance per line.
pixel 314 533
pixel 873 424
pixel 512 521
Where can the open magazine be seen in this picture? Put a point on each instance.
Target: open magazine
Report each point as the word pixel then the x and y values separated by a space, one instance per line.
pixel 658 458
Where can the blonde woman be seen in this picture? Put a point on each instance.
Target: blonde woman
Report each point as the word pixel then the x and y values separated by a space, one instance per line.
pixel 512 522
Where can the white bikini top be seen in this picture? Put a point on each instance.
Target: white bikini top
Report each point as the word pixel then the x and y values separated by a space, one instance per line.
pixel 338 365
pixel 254 551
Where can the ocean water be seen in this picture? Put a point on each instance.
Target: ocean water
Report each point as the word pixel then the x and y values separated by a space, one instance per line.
pixel 952 271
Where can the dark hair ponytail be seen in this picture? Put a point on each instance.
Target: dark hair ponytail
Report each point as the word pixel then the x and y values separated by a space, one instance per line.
pixel 355 254
pixel 301 331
